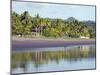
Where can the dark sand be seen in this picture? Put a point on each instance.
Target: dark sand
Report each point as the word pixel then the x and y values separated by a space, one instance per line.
pixel 22 44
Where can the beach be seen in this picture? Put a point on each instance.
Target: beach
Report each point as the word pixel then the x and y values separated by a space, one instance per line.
pixel 22 43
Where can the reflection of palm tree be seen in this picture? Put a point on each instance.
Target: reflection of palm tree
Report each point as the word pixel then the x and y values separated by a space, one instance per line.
pixel 24 66
pixel 43 57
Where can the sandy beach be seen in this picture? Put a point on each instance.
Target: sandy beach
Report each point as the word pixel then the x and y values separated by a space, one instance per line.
pixel 40 43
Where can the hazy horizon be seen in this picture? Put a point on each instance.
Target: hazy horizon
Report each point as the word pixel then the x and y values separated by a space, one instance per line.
pixel 46 10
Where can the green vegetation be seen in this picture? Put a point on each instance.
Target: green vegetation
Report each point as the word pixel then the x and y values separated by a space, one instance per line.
pixel 26 25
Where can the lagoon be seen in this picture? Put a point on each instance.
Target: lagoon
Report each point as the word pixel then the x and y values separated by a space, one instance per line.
pixel 33 60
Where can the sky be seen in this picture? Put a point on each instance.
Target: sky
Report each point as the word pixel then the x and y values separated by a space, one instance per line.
pixel 62 11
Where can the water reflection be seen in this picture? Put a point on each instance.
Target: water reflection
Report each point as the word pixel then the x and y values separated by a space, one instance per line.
pixel 53 59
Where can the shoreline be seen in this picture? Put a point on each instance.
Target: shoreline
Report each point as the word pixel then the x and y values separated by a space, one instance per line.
pixel 22 43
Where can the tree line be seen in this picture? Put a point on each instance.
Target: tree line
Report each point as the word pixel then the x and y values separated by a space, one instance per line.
pixel 24 24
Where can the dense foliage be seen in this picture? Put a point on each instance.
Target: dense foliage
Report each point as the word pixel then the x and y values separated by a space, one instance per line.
pixel 24 24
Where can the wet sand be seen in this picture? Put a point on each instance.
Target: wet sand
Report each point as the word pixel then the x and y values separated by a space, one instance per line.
pixel 26 43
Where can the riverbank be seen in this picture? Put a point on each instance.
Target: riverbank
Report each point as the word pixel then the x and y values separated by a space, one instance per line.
pixel 22 43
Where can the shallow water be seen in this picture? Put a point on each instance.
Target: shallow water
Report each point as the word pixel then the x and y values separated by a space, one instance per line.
pixel 53 59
